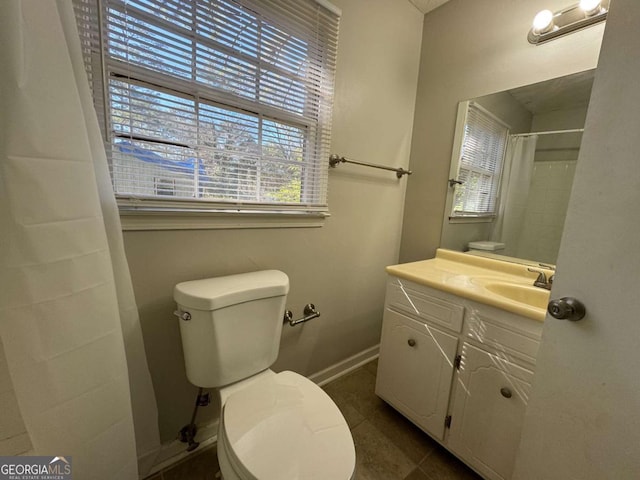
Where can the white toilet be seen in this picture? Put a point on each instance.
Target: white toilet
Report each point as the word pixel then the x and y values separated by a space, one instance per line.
pixel 486 246
pixel 273 426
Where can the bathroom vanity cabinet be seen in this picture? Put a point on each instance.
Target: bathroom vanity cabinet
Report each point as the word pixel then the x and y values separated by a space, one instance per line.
pixel 460 370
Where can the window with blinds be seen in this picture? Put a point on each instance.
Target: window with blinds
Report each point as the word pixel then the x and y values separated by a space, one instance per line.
pixel 224 102
pixel 480 164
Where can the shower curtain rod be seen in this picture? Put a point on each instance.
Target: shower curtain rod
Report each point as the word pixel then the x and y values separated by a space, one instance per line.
pixel 550 132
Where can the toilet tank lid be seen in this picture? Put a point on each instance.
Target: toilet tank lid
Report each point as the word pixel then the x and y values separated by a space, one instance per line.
pixel 486 245
pixel 220 292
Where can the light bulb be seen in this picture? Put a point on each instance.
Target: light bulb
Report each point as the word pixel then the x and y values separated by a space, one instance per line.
pixel 590 7
pixel 543 21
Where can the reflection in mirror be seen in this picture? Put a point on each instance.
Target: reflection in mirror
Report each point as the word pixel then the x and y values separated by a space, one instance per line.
pixel 545 131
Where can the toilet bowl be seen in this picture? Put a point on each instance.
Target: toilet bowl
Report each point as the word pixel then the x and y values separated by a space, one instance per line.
pixel 273 426
pixel 283 426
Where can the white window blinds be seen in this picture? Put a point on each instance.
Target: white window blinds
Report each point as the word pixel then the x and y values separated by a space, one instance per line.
pixel 213 101
pixel 480 164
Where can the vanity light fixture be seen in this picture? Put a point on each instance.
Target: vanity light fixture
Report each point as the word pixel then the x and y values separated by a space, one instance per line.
pixel 543 22
pixel 590 7
pixel 547 25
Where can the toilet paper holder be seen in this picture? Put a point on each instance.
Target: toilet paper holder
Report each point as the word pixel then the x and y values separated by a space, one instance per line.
pixel 309 311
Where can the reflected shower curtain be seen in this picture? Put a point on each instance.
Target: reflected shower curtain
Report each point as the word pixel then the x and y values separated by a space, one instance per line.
pixel 514 192
pixel 73 371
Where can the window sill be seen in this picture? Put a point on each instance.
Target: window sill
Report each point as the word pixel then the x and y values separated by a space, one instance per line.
pixel 471 219
pixel 137 219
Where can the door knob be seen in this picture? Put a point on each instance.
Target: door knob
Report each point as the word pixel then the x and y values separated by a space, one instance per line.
pixel 411 342
pixel 567 308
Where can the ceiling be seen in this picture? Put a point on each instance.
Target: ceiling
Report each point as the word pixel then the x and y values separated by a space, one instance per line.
pixel 561 93
pixel 425 6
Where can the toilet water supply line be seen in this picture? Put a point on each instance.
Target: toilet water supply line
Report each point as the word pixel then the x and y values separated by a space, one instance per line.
pixel 309 311
pixel 188 432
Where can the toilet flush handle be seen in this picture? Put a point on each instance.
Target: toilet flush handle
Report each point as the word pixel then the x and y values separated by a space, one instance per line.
pixel 186 316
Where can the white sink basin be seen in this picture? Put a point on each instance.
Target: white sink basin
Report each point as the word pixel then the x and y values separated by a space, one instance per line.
pixel 532 296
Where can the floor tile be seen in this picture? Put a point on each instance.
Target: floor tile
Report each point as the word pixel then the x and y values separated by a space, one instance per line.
pixel 377 458
pixel 203 466
pixel 405 435
pixel 372 367
pixel 417 474
pixel 356 389
pixel 350 414
pixel 442 465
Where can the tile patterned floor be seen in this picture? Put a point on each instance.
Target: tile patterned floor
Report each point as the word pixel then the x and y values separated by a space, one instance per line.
pixel 388 446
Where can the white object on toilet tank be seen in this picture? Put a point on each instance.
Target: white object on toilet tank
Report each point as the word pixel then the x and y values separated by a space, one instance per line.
pixel 486 246
pixel 235 326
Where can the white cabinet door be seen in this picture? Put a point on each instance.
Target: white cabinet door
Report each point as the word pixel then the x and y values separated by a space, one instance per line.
pixel 415 370
pixel 489 402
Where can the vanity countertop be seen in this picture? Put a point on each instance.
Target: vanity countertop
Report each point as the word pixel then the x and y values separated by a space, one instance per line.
pixel 504 285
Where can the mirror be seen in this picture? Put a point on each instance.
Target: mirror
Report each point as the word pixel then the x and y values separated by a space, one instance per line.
pixel 545 131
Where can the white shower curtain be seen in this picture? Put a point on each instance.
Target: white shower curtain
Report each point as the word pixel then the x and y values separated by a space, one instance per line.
pixel 514 192
pixel 68 320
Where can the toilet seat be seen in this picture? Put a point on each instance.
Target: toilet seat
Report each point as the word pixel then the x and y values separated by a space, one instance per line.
pixel 285 427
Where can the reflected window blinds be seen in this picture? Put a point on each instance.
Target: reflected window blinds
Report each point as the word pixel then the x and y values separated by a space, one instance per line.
pixel 480 164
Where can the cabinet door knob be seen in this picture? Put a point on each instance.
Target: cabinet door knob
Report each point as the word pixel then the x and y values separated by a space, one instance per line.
pixel 505 392
pixel 411 342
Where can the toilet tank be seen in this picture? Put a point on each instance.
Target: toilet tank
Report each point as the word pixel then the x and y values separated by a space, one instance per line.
pixel 234 327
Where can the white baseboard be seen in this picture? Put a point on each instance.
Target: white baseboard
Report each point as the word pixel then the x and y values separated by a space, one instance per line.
pixel 345 366
pixel 171 453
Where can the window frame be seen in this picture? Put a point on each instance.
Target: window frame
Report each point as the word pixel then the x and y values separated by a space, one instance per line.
pixel 454 172
pixel 142 212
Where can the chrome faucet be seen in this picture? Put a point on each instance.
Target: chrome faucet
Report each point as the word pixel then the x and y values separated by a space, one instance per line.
pixel 542 281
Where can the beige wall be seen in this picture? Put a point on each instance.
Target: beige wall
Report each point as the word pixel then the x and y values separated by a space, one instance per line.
pixel 472 48
pixel 339 267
